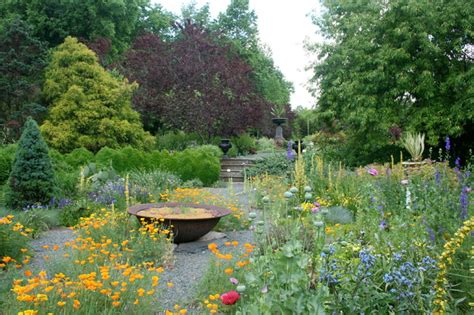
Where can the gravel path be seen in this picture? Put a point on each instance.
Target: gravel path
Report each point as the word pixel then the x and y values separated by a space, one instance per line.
pixel 44 249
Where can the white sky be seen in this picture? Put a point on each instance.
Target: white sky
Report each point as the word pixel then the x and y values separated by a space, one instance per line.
pixel 283 26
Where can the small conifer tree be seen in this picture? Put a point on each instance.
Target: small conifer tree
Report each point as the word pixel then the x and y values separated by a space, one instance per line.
pixel 31 180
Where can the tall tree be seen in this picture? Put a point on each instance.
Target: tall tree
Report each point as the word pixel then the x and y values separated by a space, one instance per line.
pixel 405 63
pixel 193 83
pixel 90 107
pixel 32 178
pixel 53 20
pixel 22 60
pixel 239 26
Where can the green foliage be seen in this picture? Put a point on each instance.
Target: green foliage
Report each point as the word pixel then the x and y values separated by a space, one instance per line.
pixel 53 21
pixel 90 107
pixel 201 162
pixel 70 215
pixel 11 239
pixel 339 215
pixel 265 145
pixel 419 75
pixel 177 141
pixel 31 180
pixel 244 144
pixel 22 59
pixel 7 155
pixel 275 164
pixel 79 157
pixel 239 24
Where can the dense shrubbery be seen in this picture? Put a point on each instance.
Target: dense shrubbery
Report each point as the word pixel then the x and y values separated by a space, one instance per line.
pixel 244 144
pixel 7 155
pixel 276 164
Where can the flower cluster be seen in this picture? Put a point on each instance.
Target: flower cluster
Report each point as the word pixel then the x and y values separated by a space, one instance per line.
pixel 446 260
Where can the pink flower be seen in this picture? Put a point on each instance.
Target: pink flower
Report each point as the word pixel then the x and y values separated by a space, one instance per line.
pixel 373 171
pixel 230 297
pixel 314 210
pixel 234 281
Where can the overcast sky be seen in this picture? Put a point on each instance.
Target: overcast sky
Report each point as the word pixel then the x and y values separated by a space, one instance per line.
pixel 283 26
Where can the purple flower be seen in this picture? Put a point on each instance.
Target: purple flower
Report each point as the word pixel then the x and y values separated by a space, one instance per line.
pixel 447 143
pixel 383 225
pixel 464 202
pixel 289 152
pixel 458 162
pixel 373 171
pixel 234 281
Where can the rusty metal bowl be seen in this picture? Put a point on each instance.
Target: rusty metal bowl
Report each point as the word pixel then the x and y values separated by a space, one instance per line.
pixel 184 229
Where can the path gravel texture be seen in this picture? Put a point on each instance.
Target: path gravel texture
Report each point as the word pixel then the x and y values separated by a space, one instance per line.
pixel 43 247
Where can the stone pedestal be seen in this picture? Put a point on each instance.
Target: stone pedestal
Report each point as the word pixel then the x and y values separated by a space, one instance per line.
pixel 279 140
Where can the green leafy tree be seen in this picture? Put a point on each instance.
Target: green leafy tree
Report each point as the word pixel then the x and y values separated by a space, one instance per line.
pixel 395 64
pixel 239 25
pixel 31 180
pixel 90 107
pixel 22 60
pixel 53 20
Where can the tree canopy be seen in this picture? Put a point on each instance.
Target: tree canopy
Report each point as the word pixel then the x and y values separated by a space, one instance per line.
pixel 193 83
pixel 90 107
pixel 22 60
pixel 403 63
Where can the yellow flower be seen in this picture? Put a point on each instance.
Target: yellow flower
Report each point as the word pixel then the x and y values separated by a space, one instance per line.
pixel 170 284
pixel 61 303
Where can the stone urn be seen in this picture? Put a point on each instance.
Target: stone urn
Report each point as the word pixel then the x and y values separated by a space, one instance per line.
pixel 298 143
pixel 279 140
pixel 225 146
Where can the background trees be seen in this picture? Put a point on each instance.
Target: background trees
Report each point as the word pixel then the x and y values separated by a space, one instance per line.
pixel 22 60
pixel 402 63
pixel 90 107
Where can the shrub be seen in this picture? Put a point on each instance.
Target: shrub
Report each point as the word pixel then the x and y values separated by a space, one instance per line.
pixel 265 145
pixel 79 157
pixel 244 144
pixel 7 155
pixel 32 177
pixel 90 107
pixel 177 141
pixel 275 164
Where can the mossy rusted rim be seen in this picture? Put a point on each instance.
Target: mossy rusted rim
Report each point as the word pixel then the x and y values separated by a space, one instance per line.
pixel 217 212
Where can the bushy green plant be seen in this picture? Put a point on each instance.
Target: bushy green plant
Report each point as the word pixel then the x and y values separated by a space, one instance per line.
pixel 70 215
pixel 265 145
pixel 79 157
pixel 339 215
pixel 275 164
pixel 177 141
pixel 154 182
pixel 31 180
pixel 7 155
pixel 245 144
pixel 90 107
pixel 39 219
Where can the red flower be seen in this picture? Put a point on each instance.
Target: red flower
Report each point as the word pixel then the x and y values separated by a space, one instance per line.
pixel 230 297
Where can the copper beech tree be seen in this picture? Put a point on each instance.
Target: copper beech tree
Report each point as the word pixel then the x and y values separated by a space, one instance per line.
pixel 193 83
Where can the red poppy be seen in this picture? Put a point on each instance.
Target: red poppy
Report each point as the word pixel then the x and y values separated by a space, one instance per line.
pixel 230 297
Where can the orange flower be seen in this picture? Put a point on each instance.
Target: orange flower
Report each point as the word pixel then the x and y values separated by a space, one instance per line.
pixel 28 273
pixel 76 304
pixel 229 271
pixel 116 303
